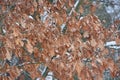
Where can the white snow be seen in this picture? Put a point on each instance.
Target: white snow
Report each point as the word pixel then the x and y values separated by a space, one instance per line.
pixel 17 23
pixel 44 70
pixel 109 9
pixel 81 18
pixel 38 79
pixel 62 26
pixel 84 59
pixel 57 56
pixel 68 54
pixel 50 73
pixel 4 31
pixel 77 2
pixel 110 43
pixel 49 78
pixel 114 47
pixel 44 16
pixel 30 17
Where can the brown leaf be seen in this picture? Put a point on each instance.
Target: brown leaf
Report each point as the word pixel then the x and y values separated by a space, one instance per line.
pixel 100 45
pixel 93 42
pixel 86 34
pixel 100 61
pixel 94 64
pixel 79 67
pixel 111 65
pixel 117 40
pixel 8 55
pixel 51 52
pixel 81 9
pixel 58 18
pixel 93 8
pixel 16 32
pixel 29 47
pixel 19 42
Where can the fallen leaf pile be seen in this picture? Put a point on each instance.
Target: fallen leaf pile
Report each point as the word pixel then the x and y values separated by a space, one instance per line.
pixel 38 32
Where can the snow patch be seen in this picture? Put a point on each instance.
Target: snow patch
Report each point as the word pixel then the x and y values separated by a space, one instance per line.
pixel 44 16
pixel 17 23
pixel 115 47
pixel 110 43
pixel 4 31
pixel 38 79
pixel 62 26
pixel 49 76
pixel 77 2
pixel 30 17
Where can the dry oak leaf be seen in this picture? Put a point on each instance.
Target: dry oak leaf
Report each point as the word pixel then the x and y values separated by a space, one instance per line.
pixel 8 55
pixel 100 45
pixel 19 42
pixel 100 61
pixel 58 18
pixel 93 42
pixel 101 36
pixel 79 66
pixel 29 47
pixel 51 52
pixel 85 26
pixel 14 72
pixel 85 74
pixel 16 32
pixel 81 9
pixel 117 40
pixel 9 44
pixel 94 65
pixel 86 34
pixel 96 27
pixel 111 65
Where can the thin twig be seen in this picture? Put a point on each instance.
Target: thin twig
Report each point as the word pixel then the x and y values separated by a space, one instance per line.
pixel 74 7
